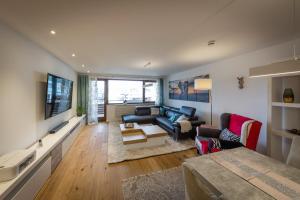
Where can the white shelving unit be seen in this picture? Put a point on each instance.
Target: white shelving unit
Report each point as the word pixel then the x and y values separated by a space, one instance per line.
pixel 287 105
pixel 282 116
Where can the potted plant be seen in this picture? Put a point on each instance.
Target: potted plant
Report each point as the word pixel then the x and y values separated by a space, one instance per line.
pixel 79 111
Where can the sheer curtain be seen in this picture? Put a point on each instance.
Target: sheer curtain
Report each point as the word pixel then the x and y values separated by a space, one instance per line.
pixel 93 104
pixel 159 92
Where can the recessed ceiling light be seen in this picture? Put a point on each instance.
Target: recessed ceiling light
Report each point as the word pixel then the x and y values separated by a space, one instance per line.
pixel 53 32
pixel 73 55
pixel 88 71
pixel 83 65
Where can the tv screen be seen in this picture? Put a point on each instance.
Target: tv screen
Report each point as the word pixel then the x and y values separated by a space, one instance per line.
pixel 59 95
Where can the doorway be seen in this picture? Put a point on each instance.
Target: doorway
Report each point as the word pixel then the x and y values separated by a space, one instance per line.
pixel 102 99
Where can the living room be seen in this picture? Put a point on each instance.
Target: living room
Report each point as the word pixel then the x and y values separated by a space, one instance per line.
pixel 150 100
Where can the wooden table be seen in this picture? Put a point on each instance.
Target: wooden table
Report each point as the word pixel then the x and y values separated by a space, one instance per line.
pixel 125 130
pixel 245 174
pixel 141 136
pixel 153 131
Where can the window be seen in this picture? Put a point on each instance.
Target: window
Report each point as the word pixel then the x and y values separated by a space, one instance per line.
pixel 125 90
pixel 131 91
pixel 150 91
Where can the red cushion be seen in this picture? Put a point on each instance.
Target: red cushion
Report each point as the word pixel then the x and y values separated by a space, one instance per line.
pixel 204 147
pixel 236 122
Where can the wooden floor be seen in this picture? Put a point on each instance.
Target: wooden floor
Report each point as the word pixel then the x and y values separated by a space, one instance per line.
pixel 85 174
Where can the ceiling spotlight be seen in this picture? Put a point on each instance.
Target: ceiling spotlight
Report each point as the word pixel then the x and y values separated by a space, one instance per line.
pixel 53 32
pixel 147 64
pixel 73 55
pixel 88 71
pixel 83 65
pixel 211 42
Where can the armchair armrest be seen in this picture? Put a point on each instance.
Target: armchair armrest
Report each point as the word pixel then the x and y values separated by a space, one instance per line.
pixel 208 132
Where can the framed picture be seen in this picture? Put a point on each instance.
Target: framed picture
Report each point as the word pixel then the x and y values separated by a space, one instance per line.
pixel 184 90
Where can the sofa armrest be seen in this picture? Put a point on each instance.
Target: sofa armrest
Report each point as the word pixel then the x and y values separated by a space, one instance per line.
pixel 176 124
pixel 122 117
pixel 208 132
pixel 195 118
pixel 197 123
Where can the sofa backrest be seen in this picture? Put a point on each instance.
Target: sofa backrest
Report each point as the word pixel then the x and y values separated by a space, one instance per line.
pixel 184 110
pixel 142 110
pixel 188 111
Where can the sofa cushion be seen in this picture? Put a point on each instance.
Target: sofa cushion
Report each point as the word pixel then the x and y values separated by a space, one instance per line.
pixel 236 122
pixel 162 111
pixel 170 113
pixel 174 117
pixel 165 122
pixel 142 110
pixel 154 111
pixel 188 111
pixel 138 119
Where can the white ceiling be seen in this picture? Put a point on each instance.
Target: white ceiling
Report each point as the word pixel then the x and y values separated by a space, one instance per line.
pixel 121 36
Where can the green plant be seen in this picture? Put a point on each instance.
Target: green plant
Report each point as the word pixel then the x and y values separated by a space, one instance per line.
pixel 79 111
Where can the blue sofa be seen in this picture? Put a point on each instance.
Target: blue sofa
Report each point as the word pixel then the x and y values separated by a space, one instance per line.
pixel 143 115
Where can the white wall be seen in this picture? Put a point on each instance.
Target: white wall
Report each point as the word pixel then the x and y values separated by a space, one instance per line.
pixel 252 101
pixel 23 73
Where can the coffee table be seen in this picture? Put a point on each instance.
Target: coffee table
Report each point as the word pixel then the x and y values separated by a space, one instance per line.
pixel 141 136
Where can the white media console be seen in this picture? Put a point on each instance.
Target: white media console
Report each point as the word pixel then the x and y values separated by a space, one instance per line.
pixel 27 184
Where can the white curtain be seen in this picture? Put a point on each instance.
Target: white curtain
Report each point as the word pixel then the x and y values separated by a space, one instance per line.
pixel 158 100
pixel 93 104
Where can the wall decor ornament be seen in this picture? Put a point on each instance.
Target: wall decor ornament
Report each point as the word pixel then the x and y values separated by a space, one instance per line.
pixel 241 82
pixel 184 90
pixel 288 95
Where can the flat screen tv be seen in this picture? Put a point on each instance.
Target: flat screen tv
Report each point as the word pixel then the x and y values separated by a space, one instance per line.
pixel 59 95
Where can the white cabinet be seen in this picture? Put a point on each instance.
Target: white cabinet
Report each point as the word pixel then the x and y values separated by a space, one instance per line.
pixel 27 184
pixel 35 182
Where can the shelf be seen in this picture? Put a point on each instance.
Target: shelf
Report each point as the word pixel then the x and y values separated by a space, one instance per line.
pixel 284 134
pixel 287 105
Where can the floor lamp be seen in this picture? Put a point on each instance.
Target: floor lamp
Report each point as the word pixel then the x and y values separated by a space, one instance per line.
pixel 205 84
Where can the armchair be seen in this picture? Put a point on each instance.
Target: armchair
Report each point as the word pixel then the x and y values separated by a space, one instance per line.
pixel 208 138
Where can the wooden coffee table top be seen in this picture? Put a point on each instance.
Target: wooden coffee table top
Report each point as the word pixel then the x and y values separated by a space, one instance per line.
pixel 153 131
pixel 124 130
pixel 140 133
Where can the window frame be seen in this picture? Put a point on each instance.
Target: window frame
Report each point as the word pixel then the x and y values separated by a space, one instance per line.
pixel 143 96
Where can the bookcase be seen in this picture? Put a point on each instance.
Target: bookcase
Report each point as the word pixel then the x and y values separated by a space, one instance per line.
pixel 282 116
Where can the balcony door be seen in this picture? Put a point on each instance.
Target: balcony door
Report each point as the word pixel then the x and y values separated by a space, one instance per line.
pixel 102 99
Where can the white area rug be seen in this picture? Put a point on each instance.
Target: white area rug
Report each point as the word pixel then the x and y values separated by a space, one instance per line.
pixel 118 153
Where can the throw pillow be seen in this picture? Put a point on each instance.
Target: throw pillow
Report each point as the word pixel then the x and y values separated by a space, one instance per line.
pixel 162 111
pixel 229 136
pixel 154 111
pixel 174 117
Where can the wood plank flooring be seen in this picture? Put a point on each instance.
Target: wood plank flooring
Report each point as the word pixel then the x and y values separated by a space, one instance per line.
pixel 85 174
